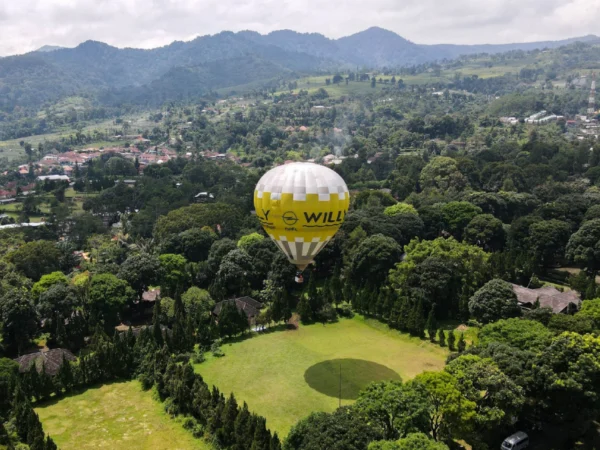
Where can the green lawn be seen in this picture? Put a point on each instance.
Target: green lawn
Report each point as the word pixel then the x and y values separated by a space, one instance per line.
pixel 114 416
pixel 285 375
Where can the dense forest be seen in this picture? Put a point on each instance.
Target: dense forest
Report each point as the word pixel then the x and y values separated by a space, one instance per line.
pixel 449 206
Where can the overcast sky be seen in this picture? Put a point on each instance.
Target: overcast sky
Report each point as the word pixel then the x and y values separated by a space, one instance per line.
pixel 29 24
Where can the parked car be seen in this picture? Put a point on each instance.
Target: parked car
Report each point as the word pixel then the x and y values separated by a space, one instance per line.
pixel 517 441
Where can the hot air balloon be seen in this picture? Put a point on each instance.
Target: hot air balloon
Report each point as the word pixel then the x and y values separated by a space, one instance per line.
pixel 301 206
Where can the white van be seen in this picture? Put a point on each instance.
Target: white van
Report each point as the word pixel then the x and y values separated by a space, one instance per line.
pixel 517 441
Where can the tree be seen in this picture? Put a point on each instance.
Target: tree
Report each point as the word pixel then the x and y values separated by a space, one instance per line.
pixel 36 258
pixel 577 324
pixel 431 324
pixel 57 303
pixel 9 370
pixel 495 300
pixel 235 272
pixel 46 282
pixel 400 208
pixel 229 217
pixel 346 429
pixel 50 445
pixel 174 276
pixel 194 244
pixel 393 408
pixel 565 374
pixel 498 399
pixel 373 259
pixel 304 310
pixel 583 246
pixel 19 319
pixel 451 340
pixel 119 166
pixel 449 411
pixel 442 173
pixel 485 231
pixel 107 298
pixel 458 215
pixel 231 320
pixel 461 345
pixel 519 333
pixel 441 337
pixel 440 271
pixel 140 271
pixel 547 241
pixel 413 441
pixel 198 304
pixel 591 310
pixel 249 239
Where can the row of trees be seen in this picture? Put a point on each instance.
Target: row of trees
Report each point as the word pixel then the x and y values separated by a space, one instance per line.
pixel 151 358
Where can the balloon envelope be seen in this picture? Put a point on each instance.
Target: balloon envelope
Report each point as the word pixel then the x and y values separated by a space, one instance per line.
pixel 301 206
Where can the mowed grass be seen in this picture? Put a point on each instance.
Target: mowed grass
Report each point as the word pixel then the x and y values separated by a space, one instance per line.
pixel 114 416
pixel 274 372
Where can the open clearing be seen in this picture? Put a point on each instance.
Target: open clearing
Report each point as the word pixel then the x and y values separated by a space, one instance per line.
pixel 285 375
pixel 111 416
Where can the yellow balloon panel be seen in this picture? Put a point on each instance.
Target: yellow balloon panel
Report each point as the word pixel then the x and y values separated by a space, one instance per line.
pixel 301 206
pixel 301 228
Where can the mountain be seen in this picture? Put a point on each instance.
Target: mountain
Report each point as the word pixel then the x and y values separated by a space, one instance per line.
pixel 182 69
pixel 49 48
pixel 453 51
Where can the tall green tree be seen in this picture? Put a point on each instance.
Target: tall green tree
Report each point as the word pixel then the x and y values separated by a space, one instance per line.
pixel 493 301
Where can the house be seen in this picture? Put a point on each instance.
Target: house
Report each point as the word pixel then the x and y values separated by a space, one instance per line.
pixel 129 183
pixel 203 197
pixel 548 296
pixel 50 360
pixel 250 307
pixel 6 194
pixel 148 301
pixel 53 178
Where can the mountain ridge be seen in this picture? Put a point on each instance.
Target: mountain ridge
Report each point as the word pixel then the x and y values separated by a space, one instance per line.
pixel 94 67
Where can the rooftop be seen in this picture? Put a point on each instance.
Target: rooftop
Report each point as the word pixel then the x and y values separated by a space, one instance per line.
pixel 548 296
pixel 247 304
pixel 51 360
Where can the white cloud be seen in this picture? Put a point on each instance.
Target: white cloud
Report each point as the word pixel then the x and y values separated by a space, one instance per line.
pixel 28 24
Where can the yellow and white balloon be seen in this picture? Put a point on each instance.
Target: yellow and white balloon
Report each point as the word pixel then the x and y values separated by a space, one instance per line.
pixel 301 206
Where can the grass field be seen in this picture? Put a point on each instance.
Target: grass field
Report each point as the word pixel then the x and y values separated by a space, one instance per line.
pixel 285 375
pixel 114 416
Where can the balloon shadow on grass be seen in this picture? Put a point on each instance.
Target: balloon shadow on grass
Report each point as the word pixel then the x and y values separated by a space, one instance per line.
pixel 356 374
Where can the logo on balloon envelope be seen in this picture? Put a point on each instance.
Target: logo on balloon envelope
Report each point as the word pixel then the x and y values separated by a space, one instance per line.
pixel 290 218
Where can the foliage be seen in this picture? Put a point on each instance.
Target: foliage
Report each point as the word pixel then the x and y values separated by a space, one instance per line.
pixel 449 411
pixel 373 258
pixel 140 271
pixel 519 333
pixel 445 270
pixel 393 408
pixel 400 208
pixel 342 429
pixel 249 239
pixel 413 441
pixel 36 259
pixel 582 247
pixel 107 298
pixel 486 231
pixel 493 301
pixel 497 398
pixel 46 282
pixel 590 309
